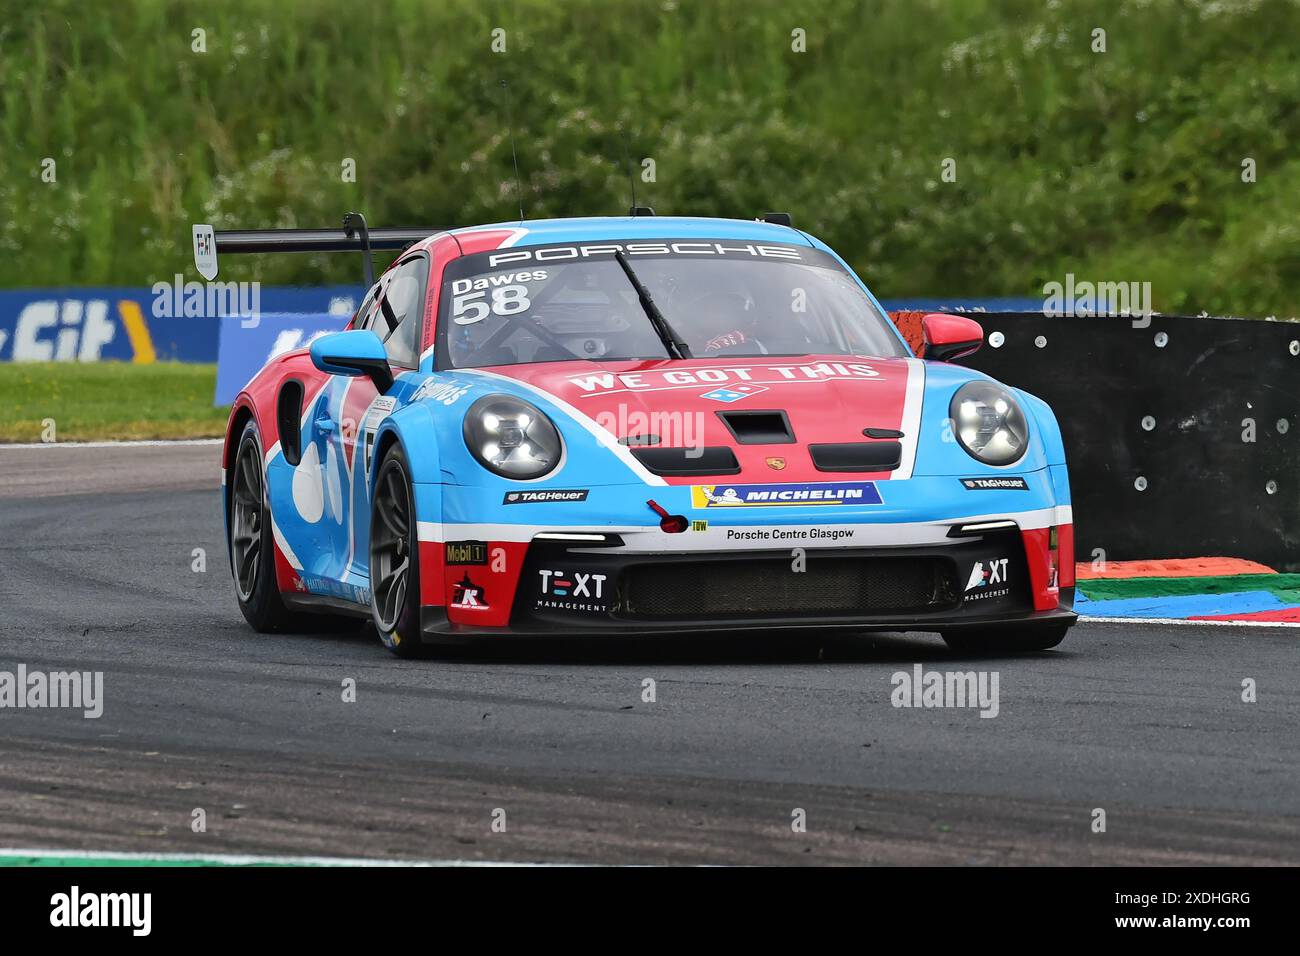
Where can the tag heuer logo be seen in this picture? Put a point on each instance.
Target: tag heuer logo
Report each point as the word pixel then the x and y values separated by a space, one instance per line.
pixel 1009 483
pixel 534 497
pixel 777 463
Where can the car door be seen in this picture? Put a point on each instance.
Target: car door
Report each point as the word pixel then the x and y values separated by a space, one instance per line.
pixel 356 409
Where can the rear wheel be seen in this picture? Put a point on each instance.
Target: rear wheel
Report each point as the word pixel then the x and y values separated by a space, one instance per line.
pixel 395 558
pixel 1018 639
pixel 252 547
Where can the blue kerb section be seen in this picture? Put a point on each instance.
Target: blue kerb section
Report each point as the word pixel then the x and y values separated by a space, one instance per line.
pixel 1182 606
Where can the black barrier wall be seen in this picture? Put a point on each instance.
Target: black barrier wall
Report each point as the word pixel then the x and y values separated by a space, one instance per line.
pixel 1183 438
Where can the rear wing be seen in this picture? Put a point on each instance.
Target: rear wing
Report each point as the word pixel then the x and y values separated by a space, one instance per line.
pixel 352 236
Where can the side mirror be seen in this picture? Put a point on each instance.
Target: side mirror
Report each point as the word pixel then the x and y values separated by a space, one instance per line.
pixel 949 337
pixel 358 352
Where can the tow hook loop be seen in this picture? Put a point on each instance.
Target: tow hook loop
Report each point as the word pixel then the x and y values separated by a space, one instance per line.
pixel 672 524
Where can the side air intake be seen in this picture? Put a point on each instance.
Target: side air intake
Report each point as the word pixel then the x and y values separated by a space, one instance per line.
pixel 857 456
pixel 681 462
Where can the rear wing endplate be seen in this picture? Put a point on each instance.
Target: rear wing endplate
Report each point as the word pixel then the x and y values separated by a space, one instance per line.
pixel 352 236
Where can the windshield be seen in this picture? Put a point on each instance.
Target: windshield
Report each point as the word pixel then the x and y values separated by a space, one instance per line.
pixel 723 298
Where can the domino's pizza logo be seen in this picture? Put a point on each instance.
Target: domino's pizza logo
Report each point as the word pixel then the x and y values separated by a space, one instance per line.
pixel 729 393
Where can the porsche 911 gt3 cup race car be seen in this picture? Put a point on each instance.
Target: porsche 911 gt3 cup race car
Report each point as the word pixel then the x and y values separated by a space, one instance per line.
pixel 638 425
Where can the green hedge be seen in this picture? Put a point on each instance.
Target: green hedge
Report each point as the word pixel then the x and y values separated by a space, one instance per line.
pixel 1123 165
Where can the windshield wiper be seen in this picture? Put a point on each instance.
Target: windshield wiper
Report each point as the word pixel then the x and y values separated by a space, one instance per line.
pixel 676 347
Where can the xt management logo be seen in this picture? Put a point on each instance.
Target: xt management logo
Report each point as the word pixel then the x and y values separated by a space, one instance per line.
pixel 572 591
pixel 988 579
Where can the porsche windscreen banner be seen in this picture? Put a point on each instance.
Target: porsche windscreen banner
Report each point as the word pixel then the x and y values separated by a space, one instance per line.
pixel 722 297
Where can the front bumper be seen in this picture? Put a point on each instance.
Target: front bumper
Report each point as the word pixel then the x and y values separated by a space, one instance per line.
pixel 987 581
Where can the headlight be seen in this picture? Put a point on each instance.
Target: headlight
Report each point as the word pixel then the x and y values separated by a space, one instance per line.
pixel 512 438
pixel 989 423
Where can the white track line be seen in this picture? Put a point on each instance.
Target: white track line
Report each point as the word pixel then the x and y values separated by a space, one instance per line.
pixel 149 443
pixel 1180 620
pixel 229 859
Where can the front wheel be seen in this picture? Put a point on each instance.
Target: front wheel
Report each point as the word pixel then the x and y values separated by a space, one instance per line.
pixel 1039 638
pixel 395 557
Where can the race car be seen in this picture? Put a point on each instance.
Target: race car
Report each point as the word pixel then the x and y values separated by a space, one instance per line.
pixel 637 425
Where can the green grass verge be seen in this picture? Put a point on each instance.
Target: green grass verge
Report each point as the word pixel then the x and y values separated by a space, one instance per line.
pixel 108 401
pixel 1285 586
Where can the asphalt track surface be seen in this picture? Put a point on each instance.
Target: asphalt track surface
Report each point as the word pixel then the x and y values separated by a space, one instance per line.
pixel 1143 721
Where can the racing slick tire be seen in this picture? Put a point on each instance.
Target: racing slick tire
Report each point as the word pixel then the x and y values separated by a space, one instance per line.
pixel 1029 639
pixel 395 558
pixel 252 543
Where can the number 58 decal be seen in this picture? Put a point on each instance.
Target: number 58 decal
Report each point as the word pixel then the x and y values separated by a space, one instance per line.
pixel 476 306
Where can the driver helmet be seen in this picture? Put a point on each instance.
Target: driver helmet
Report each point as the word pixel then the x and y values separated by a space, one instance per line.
pixel 717 313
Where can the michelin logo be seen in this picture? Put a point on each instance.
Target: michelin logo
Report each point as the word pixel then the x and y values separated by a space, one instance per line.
pixel 817 493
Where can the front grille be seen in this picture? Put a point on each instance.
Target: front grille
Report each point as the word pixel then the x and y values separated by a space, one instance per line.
pixel 828 586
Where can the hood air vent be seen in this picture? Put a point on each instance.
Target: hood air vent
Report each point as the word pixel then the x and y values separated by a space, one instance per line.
pixel 758 428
